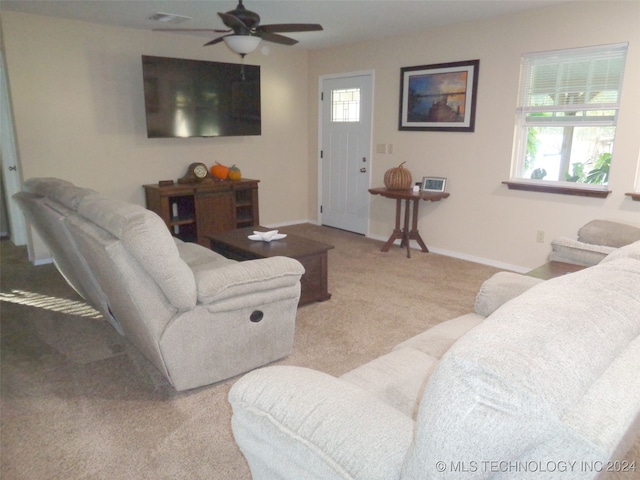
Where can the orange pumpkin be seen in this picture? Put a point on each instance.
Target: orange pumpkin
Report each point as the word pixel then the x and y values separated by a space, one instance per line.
pixel 221 172
pixel 397 178
pixel 234 173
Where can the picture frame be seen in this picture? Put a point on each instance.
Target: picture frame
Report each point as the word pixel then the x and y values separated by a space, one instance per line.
pixel 433 184
pixel 439 97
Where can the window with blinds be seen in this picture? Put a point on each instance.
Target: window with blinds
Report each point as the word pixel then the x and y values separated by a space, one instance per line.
pixel 566 115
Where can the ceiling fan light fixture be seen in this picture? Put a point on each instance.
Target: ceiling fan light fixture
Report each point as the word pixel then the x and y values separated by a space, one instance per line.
pixel 242 44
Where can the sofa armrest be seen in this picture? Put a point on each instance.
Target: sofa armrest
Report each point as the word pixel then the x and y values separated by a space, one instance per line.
pixel 242 278
pixel 567 250
pixel 499 289
pixel 293 423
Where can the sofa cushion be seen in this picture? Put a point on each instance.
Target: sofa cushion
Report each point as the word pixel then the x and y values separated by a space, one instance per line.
pixel 138 228
pixel 199 257
pixel 609 233
pixel 436 340
pixel 398 378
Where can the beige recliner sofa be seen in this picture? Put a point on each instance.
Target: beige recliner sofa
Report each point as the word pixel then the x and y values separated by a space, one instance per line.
pixel 196 316
pixel 545 387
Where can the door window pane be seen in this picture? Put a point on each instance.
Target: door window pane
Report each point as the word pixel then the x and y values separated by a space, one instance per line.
pixel 345 105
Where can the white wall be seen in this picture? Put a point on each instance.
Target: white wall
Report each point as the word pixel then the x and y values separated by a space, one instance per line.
pixel 79 113
pixel 482 219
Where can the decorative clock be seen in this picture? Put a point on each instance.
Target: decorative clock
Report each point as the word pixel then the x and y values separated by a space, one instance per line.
pixel 196 173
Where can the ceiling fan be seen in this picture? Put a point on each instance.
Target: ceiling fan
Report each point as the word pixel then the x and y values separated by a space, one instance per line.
pixel 245 32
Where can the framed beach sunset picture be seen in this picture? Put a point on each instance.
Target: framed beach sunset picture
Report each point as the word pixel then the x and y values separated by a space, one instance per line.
pixel 439 97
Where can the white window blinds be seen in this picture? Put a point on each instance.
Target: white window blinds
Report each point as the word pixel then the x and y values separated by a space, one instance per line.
pixel 583 81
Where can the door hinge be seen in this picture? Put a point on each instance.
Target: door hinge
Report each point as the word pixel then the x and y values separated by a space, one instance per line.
pixel 321 154
pixel 320 208
pixel 321 96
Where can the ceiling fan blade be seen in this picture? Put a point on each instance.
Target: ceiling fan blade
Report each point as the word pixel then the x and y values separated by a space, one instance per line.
pixel 233 22
pixel 214 41
pixel 289 27
pixel 275 38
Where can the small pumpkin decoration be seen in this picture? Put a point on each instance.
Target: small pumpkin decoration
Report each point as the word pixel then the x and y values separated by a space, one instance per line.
pixel 398 178
pixel 221 172
pixel 234 173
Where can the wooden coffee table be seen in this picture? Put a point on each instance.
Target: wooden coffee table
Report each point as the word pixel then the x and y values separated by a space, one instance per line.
pixel 236 245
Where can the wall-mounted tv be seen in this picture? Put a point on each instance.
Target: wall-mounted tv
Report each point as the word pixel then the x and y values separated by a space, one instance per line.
pixel 194 98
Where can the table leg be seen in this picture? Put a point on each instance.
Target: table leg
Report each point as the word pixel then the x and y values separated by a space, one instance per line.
pixel 405 230
pixel 397 233
pixel 414 234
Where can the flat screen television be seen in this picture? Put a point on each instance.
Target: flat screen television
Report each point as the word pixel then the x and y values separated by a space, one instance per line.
pixel 194 98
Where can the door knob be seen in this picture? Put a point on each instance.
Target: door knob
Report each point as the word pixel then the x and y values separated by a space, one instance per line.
pixel 363 170
pixel 13 168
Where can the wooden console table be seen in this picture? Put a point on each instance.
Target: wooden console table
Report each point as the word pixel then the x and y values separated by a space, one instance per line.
pixel 410 197
pixel 192 211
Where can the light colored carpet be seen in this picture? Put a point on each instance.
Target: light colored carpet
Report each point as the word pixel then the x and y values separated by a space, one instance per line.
pixel 78 402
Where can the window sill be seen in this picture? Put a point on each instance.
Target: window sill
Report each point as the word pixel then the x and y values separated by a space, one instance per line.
pixel 562 190
pixel 635 196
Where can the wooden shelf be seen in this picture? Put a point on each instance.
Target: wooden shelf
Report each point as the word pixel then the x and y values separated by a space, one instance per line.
pixel 562 190
pixel 634 196
pixel 181 221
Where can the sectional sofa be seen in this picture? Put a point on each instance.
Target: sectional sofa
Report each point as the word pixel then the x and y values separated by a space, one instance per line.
pixel 540 382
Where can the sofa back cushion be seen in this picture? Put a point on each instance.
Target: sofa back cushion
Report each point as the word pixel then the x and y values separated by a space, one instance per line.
pixel 48 218
pixel 146 237
pixel 136 302
pixel 59 190
pixel 529 380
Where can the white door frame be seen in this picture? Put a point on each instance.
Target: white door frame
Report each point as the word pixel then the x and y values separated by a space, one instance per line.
pixel 11 172
pixel 321 79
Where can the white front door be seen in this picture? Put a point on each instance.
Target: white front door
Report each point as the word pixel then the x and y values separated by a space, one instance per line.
pixel 345 161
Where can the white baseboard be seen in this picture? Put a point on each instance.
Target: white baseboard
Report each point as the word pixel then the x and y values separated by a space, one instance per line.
pixel 462 256
pixel 439 251
pixel 483 261
pixel 295 222
pixel 43 261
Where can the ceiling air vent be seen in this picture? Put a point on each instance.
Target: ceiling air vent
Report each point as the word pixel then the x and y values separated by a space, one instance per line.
pixel 169 18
